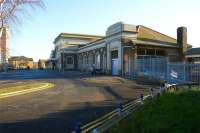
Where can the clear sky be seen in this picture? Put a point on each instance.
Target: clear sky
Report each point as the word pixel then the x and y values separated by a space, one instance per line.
pixel 34 38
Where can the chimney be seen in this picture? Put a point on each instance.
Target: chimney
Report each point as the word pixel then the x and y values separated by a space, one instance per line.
pixel 182 38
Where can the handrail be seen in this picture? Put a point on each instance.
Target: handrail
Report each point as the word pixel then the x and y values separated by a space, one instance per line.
pixel 109 119
pixel 116 113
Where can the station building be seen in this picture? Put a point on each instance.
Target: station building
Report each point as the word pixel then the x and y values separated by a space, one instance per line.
pixel 21 62
pixel 116 52
pixel 193 55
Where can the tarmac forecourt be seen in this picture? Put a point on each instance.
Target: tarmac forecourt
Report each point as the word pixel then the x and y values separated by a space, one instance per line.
pixel 23 89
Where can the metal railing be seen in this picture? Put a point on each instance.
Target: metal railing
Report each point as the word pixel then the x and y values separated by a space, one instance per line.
pixel 162 69
pixel 108 120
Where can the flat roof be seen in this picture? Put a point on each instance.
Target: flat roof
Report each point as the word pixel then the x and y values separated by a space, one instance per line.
pixel 193 51
pixel 81 36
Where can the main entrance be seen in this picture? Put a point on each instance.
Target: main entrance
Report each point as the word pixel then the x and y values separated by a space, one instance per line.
pixel 115 67
pixel 115 62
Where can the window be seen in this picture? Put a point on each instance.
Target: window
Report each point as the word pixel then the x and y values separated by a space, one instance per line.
pixel 160 52
pixel 141 51
pixel 98 61
pixel 150 51
pixel 98 58
pixel 69 60
pixel 114 54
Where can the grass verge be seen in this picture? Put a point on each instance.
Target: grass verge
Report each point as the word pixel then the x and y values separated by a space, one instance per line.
pixel 172 113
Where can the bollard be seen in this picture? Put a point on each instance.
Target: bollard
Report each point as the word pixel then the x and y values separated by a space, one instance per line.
pixel 78 128
pixel 142 98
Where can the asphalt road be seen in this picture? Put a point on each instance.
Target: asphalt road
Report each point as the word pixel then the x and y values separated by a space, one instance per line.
pixel 55 110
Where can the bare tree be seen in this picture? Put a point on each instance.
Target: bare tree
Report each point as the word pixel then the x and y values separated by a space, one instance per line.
pixel 11 10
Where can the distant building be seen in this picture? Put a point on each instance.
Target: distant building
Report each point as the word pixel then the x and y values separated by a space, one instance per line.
pixel 4 47
pixel 52 60
pixel 42 64
pixel 48 64
pixel 21 62
pixel 35 65
pixel 116 52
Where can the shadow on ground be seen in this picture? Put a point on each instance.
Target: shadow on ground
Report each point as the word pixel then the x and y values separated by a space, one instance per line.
pixel 60 122
pixel 64 121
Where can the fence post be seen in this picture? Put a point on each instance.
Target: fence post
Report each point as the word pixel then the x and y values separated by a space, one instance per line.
pixel 142 98
pixel 162 87
pixel 152 92
pixel 168 71
pixel 120 108
pixel 78 128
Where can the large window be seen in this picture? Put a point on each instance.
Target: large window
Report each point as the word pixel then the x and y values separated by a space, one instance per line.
pixel 70 60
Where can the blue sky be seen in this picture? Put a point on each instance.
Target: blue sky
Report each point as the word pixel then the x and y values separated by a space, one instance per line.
pixel 34 38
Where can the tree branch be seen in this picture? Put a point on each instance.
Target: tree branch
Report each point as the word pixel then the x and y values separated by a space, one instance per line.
pixel 10 9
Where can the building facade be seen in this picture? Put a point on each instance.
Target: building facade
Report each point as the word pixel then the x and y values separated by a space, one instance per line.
pixel 65 54
pixel 116 52
pixel 4 48
pixel 21 62
pixel 193 55
pixel 42 64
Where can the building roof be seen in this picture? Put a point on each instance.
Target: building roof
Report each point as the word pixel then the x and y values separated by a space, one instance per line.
pixel 19 58
pixel 150 35
pixel 79 36
pixel 193 51
pixel 164 44
pixel 145 36
pixel 142 36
